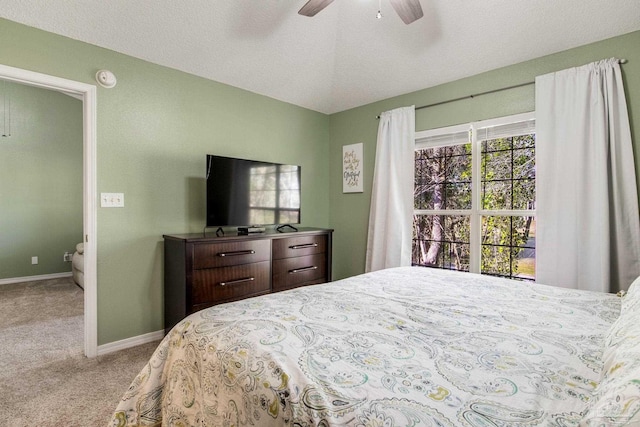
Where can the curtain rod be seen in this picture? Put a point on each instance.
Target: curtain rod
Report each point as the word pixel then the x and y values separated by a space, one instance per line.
pixel 621 61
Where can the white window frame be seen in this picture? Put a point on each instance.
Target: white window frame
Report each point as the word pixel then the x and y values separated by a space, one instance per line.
pixel 475 214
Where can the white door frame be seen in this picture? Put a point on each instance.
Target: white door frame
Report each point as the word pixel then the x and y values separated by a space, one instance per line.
pixel 87 93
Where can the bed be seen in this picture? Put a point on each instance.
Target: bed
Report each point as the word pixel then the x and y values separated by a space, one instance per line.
pixel 406 346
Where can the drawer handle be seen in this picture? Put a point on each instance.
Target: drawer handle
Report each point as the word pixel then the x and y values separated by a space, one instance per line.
pixel 306 245
pixel 249 252
pixel 235 282
pixel 300 270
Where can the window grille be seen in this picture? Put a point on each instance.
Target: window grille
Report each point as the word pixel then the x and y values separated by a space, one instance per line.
pixel 474 198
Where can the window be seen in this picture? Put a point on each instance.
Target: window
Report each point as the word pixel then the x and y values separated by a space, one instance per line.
pixel 474 198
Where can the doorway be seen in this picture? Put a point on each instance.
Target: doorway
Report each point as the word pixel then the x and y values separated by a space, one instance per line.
pixel 87 94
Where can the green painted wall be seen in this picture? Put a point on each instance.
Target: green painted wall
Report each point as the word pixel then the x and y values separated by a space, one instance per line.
pixel 349 213
pixel 40 180
pixel 154 130
pixel 157 124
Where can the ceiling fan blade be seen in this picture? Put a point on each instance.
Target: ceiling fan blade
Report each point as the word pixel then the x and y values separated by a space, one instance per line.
pixel 314 6
pixel 408 10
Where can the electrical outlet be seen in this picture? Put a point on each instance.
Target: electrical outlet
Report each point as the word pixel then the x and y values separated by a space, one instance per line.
pixel 112 200
pixel 67 257
pixel 34 260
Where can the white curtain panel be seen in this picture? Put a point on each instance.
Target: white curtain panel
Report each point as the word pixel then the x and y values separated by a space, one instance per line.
pixel 391 214
pixel 588 227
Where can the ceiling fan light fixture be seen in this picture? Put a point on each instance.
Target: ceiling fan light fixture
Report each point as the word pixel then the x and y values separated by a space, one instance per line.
pixel 408 10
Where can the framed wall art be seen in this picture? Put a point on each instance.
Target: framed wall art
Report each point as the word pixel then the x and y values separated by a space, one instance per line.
pixel 352 164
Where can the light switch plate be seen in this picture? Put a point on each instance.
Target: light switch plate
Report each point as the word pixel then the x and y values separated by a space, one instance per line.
pixel 112 200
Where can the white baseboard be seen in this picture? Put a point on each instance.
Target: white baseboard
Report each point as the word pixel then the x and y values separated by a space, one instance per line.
pixel 130 342
pixel 34 278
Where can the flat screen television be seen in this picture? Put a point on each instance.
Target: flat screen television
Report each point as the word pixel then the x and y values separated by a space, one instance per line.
pixel 244 193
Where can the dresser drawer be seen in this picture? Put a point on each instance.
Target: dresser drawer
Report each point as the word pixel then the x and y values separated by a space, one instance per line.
pixel 290 272
pixel 210 255
pixel 299 246
pixel 215 285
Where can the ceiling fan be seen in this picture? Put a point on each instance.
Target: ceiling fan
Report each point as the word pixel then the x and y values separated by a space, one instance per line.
pixel 408 10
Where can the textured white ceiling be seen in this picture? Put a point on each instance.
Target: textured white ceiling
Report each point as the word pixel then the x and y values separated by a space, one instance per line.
pixel 343 57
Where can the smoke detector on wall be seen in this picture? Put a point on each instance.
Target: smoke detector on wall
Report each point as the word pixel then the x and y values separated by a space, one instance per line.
pixel 106 78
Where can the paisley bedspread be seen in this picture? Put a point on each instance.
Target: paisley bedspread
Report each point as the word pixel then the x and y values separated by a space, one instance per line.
pixel 408 346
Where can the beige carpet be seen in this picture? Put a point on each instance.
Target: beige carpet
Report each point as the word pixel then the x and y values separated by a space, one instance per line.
pixel 45 379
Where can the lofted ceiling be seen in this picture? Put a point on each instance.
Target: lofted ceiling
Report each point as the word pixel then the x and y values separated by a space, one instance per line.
pixel 343 57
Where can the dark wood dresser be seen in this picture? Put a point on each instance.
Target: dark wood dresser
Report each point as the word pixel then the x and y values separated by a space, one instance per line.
pixel 201 270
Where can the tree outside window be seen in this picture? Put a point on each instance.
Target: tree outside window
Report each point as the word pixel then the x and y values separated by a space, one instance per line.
pixel 500 222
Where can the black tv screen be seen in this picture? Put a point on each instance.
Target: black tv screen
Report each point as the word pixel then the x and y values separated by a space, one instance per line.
pixel 247 192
